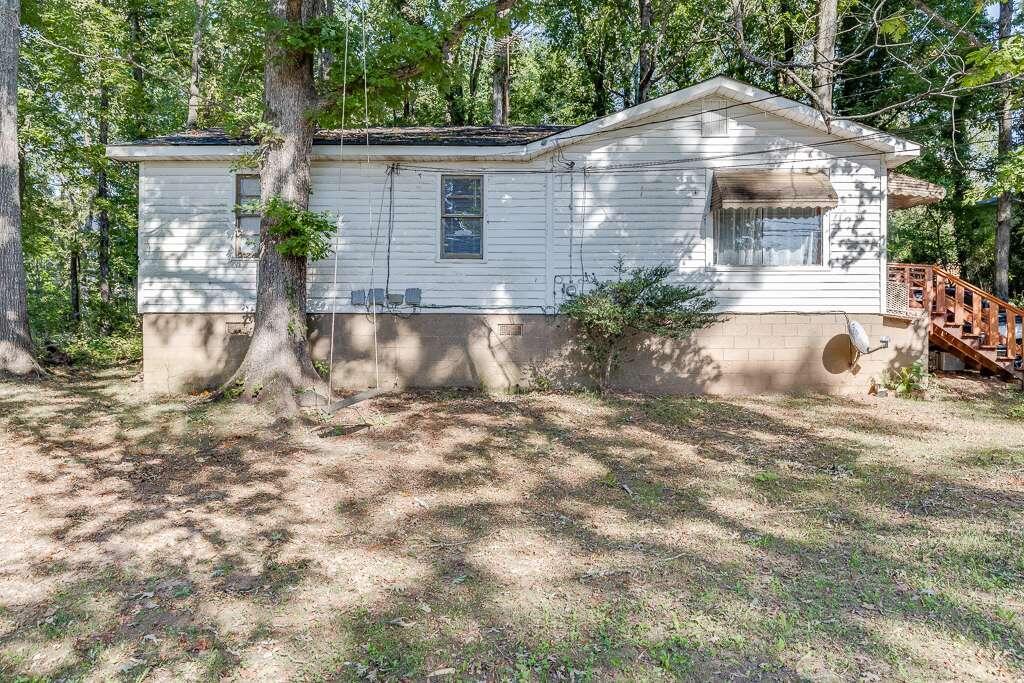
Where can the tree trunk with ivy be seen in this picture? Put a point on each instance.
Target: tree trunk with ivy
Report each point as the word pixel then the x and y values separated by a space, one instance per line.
pixel 277 365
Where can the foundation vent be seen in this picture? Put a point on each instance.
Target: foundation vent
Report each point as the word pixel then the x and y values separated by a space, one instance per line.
pixel 510 329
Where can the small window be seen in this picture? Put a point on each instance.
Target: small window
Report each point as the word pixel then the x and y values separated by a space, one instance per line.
pixel 462 217
pixel 768 237
pixel 247 223
pixel 714 120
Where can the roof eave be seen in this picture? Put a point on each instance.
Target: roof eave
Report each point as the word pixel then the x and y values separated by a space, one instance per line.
pixel 896 151
pixel 349 152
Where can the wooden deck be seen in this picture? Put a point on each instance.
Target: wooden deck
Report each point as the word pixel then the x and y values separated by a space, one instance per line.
pixel 972 324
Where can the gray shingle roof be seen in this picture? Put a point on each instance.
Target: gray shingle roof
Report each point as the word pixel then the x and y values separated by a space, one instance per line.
pixel 458 136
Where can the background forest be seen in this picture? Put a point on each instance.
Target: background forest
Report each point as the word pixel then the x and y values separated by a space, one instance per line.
pixel 98 71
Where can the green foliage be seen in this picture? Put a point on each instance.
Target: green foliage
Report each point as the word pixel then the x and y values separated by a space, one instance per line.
pixel 640 303
pixel 894 27
pixel 571 60
pixel 296 231
pixel 996 63
pixel 674 654
pixel 1009 177
pixel 95 350
pixel 909 382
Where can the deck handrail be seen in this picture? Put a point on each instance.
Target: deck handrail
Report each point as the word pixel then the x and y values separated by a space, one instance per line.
pixel 934 280
pixel 956 279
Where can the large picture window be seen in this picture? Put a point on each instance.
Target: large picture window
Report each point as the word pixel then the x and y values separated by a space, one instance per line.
pixel 247 223
pixel 462 217
pixel 768 237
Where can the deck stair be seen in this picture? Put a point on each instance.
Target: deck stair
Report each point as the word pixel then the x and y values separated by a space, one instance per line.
pixel 978 327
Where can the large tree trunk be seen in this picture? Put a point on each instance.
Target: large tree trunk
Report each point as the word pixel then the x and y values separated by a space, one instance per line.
pixel 197 53
pixel 15 338
pixel 825 54
pixel 500 82
pixel 455 102
pixel 137 122
pixel 646 61
pixel 277 363
pixel 788 40
pixel 326 56
pixel 102 215
pixel 1004 207
pixel 75 291
pixel 475 66
pixel 455 94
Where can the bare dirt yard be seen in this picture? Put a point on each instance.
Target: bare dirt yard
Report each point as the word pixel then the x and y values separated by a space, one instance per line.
pixel 455 535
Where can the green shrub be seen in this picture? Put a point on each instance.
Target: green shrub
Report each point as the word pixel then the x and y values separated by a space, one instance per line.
pixel 95 350
pixel 299 232
pixel 1016 411
pixel 615 315
pixel 909 382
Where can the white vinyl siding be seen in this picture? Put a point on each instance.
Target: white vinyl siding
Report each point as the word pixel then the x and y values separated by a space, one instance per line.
pixel 538 226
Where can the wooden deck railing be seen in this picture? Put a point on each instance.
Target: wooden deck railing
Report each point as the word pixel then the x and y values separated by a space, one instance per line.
pixel 959 304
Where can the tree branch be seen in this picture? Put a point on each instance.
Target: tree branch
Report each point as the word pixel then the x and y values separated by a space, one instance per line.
pixel 771 63
pixel 454 36
pixel 948 25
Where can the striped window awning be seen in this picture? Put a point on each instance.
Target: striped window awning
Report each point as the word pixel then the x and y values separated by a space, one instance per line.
pixel 906 192
pixel 754 188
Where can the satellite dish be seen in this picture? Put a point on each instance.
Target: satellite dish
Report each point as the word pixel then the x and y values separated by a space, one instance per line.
pixel 858 336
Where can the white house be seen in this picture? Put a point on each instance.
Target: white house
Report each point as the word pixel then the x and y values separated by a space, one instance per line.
pixel 456 246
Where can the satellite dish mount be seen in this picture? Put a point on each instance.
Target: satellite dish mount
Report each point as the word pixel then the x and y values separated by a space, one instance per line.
pixel 860 340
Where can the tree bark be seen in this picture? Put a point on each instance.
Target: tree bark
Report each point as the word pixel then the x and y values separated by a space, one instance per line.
pixel 823 76
pixel 15 337
pixel 788 39
pixel 326 56
pixel 1004 206
pixel 455 103
pixel 455 93
pixel 277 363
pixel 192 121
pixel 595 67
pixel 102 214
pixel 475 65
pixel 646 61
pixel 74 265
pixel 500 81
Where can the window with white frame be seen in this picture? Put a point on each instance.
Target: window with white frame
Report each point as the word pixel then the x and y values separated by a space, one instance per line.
pixel 768 237
pixel 462 217
pixel 247 220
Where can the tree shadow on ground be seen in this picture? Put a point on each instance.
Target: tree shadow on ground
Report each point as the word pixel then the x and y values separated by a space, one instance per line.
pixel 541 536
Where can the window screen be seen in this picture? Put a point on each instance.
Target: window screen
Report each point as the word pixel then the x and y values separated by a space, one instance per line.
pixel 714 118
pixel 462 217
pixel 768 237
pixel 247 223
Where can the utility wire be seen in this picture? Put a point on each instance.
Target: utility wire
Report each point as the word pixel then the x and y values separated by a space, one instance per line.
pixel 337 239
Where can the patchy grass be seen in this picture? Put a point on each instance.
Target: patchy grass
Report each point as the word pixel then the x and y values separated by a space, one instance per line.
pixel 455 535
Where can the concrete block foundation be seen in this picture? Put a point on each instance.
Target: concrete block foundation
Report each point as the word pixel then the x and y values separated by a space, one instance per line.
pixel 745 354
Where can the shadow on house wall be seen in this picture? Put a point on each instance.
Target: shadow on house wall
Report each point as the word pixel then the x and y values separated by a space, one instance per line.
pixel 741 355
